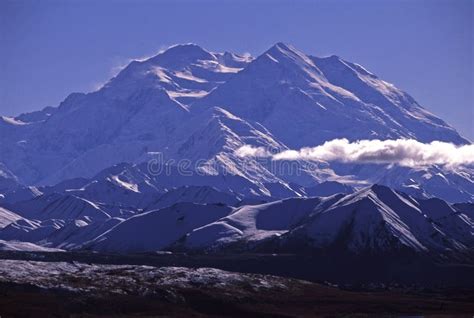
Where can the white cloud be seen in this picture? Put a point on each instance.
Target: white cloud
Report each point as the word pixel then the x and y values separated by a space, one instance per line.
pixel 250 151
pixel 403 152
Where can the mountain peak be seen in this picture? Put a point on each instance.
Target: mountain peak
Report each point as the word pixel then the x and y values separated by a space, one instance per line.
pixel 281 48
pixel 185 47
pixel 188 52
pixel 285 54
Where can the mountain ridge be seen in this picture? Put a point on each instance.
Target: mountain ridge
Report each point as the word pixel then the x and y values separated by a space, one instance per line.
pixel 192 104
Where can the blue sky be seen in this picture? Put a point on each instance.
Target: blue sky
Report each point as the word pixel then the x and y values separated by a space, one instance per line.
pixel 52 48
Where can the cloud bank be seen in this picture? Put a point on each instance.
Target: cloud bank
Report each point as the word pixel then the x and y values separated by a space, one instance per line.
pixel 403 152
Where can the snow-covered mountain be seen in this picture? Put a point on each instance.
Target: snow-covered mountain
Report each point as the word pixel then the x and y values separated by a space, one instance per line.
pixel 187 72
pixel 374 220
pixel 453 185
pixel 156 230
pixel 8 181
pixel 7 217
pixel 195 194
pixel 150 161
pixel 187 103
pixel 380 219
pixel 305 101
pixel 249 225
pixel 60 206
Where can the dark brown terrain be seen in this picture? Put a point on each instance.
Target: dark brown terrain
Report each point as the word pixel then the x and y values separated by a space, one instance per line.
pixel 82 285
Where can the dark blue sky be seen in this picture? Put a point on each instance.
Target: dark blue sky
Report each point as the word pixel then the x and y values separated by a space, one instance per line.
pixel 49 49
